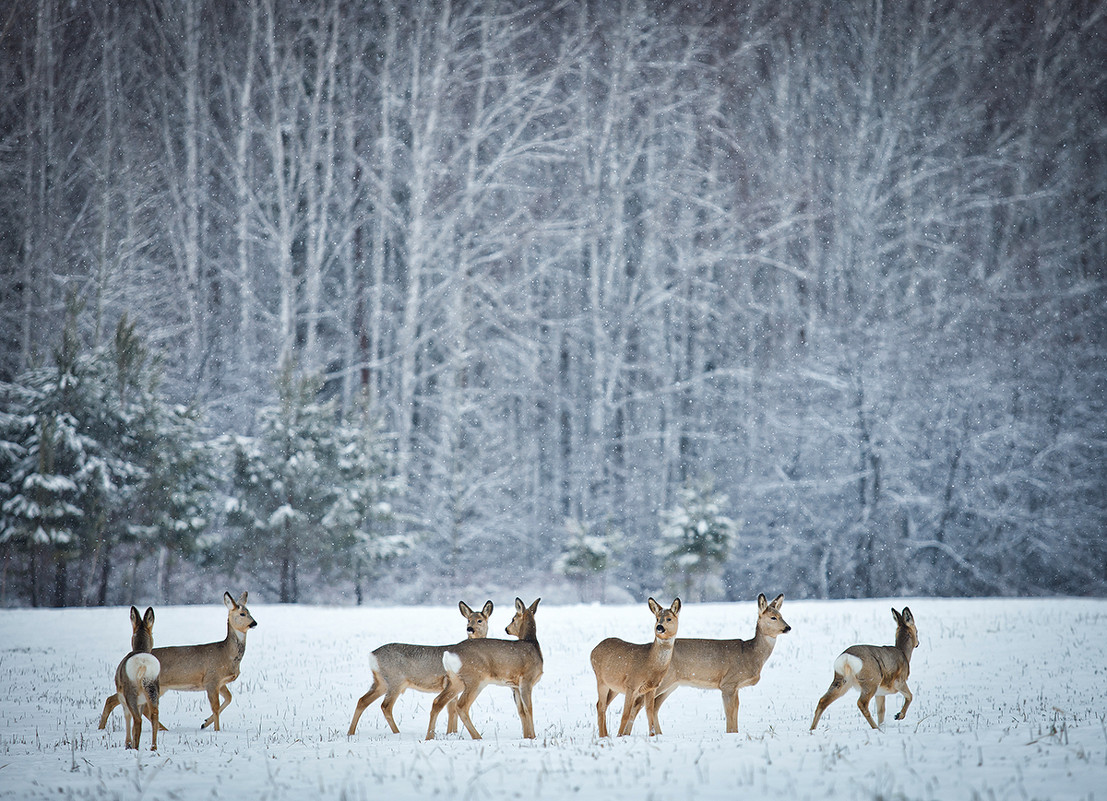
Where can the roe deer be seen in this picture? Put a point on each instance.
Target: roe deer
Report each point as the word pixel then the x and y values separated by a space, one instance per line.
pixel 726 665
pixel 136 680
pixel 398 666
pixel 878 670
pixel 204 668
pixel 635 670
pixel 471 665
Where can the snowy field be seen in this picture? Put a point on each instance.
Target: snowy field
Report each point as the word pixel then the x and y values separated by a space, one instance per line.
pixel 1010 702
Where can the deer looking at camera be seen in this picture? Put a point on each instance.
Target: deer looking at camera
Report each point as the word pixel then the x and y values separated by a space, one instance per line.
pixel 726 665
pixel 204 668
pixel 876 670
pixel 398 666
pixel 474 664
pixel 636 670
pixel 136 680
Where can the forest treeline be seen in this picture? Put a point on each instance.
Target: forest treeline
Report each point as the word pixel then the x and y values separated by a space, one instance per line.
pixel 834 269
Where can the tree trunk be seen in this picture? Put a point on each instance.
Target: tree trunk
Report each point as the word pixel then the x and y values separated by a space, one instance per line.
pixel 61 579
pixel 105 574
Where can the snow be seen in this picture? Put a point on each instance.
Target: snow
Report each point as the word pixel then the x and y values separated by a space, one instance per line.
pixel 1009 703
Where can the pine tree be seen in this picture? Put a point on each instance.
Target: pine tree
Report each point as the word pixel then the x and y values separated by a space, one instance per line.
pixel 696 538
pixel 587 556
pixel 305 490
pixel 95 460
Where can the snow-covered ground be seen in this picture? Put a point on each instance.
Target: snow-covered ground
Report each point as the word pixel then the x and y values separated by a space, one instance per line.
pixel 1010 702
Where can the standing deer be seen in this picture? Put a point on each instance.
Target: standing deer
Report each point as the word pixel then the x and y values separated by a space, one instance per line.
pixel 471 665
pixel 726 665
pixel 398 666
pixel 204 668
pixel 635 670
pixel 136 680
pixel 878 670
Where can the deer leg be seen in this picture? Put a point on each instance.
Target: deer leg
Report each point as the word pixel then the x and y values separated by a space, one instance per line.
pixel 375 692
pixel 863 704
pixel 152 710
pixel 906 693
pixel 138 731
pixel 468 696
pixel 216 708
pixel 224 691
pixel 448 695
pixel 387 703
pixel 880 710
pixel 837 690
pixel 528 724
pixel 110 703
pixel 658 700
pixel 146 712
pixel 522 704
pixel 451 716
pixel 129 726
pixel 650 702
pixel 604 698
pixel 632 703
pixel 135 717
pixel 730 708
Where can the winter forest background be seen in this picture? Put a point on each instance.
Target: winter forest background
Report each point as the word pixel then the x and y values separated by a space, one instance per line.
pixel 340 300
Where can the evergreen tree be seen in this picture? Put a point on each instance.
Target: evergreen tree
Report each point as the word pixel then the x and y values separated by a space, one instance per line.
pixel 95 460
pixel 304 490
pixel 696 538
pixel 587 556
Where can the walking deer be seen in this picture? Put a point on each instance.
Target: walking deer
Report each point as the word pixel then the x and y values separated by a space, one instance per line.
pixel 136 680
pixel 876 670
pixel 636 670
pixel 472 665
pixel 204 668
pixel 398 666
pixel 726 665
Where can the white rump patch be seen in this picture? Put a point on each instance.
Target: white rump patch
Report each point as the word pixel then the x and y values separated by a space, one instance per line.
pixel 143 667
pixel 451 661
pixel 374 665
pixel 848 665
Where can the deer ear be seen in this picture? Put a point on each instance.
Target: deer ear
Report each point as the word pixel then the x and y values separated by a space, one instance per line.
pixel 519 605
pixel 464 607
pixel 242 598
pixel 777 601
pixel 676 606
pixel 136 620
pixel 228 600
pixel 487 610
pixel 148 618
pixel 907 616
pixel 534 606
pixel 762 602
pixel 896 615
pixel 655 607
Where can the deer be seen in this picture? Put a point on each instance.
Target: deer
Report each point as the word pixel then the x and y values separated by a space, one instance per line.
pixel 725 665
pixel 471 665
pixel 399 666
pixel 204 668
pixel 876 670
pixel 636 670
pixel 136 680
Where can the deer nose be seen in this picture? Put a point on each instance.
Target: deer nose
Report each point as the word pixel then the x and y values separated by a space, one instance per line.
pixel 660 629
pixel 787 629
pixel 253 623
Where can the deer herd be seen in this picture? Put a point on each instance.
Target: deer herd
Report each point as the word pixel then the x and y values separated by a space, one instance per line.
pixel 644 673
